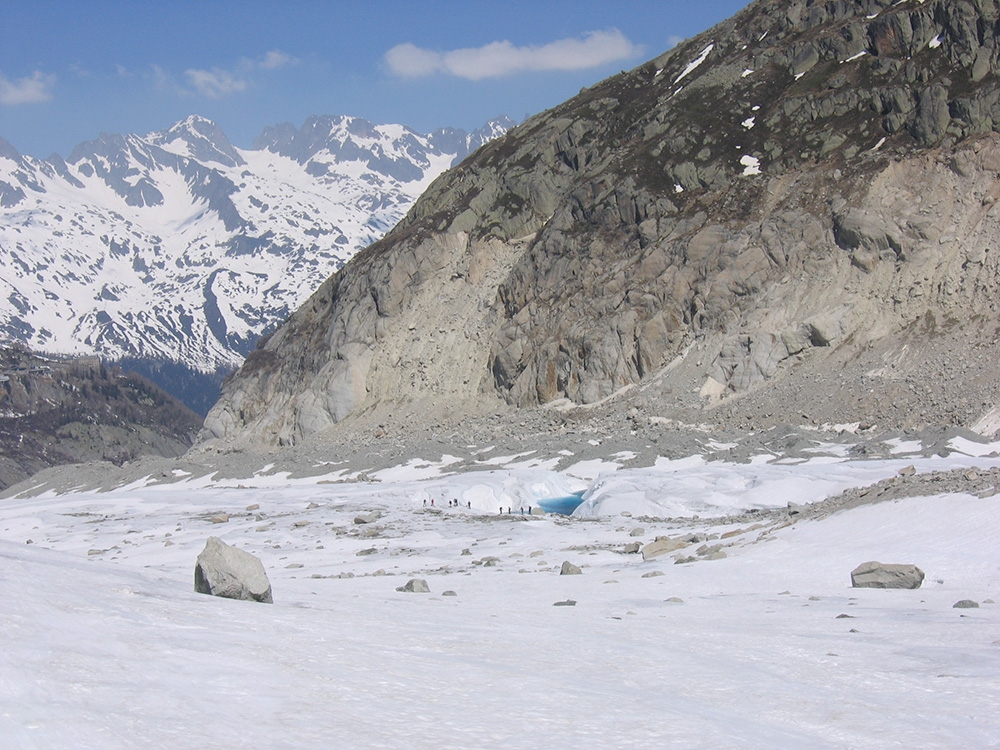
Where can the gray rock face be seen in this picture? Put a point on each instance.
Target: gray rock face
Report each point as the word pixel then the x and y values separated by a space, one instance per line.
pixel 834 197
pixel 876 575
pixel 222 570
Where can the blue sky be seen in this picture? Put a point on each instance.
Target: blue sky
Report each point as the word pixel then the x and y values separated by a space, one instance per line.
pixel 72 69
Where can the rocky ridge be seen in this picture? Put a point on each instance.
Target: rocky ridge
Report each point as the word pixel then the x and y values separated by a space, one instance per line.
pixel 789 218
pixel 66 411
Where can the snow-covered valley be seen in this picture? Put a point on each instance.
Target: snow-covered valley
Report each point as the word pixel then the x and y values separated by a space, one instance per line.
pixel 766 645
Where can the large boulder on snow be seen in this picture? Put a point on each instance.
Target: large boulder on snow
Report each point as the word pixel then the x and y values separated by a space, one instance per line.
pixel 569 569
pixel 662 545
pixel 876 575
pixel 229 572
pixel 415 586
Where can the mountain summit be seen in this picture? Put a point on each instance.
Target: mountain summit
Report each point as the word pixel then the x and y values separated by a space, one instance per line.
pixel 791 217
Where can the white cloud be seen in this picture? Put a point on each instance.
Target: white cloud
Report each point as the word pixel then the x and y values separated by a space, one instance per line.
pixel 275 59
pixel 214 83
pixel 219 82
pixel 36 88
pixel 163 80
pixel 503 58
pixel 409 61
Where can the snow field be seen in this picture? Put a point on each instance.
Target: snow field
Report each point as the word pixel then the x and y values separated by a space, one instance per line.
pixel 106 645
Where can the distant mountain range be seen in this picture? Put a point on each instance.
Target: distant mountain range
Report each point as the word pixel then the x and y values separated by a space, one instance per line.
pixel 176 251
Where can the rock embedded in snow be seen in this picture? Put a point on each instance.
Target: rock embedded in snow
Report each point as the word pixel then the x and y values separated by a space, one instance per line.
pixel 415 586
pixel 876 575
pixel 569 569
pixel 662 545
pixel 371 517
pixel 965 604
pixel 222 570
pixel 566 603
pixel 632 548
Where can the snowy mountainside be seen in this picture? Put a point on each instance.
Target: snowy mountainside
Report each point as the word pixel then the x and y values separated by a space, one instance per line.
pixel 177 246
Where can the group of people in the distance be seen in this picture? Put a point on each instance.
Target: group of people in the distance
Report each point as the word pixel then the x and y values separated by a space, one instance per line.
pixel 452 504
pixel 468 504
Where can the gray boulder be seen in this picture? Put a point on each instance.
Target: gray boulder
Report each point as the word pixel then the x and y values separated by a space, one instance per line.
pixel 231 573
pixel 415 586
pixel 965 604
pixel 569 569
pixel 876 575
pixel 662 546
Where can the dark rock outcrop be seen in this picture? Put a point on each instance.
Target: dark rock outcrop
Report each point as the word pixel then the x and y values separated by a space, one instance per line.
pixel 65 411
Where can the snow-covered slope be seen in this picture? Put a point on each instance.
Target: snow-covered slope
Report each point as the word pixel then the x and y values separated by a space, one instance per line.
pixel 178 246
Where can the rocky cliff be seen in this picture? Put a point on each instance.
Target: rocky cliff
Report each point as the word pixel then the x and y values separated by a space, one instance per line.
pixel 795 208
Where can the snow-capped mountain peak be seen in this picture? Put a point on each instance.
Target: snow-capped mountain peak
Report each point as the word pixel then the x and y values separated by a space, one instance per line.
pixel 178 246
pixel 200 139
